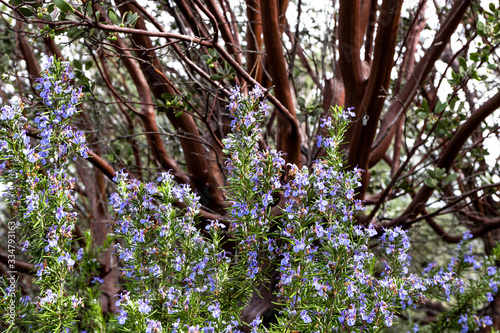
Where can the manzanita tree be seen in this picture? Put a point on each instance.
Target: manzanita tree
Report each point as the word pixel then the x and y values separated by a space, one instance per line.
pixel 421 78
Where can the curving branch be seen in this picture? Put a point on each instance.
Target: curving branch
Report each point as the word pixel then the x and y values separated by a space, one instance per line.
pixel 447 158
pixel 29 56
pixel 147 112
pixel 388 126
pixel 371 106
pixel 199 168
pixel 349 39
pixel 288 137
pixel 254 40
pixel 19 266
pixel 220 23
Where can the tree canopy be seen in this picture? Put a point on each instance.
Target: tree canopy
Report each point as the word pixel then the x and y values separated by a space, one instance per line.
pixel 421 77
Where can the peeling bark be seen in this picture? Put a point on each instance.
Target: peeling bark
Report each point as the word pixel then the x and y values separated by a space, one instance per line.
pixel 200 171
pixel 288 140
pixel 378 83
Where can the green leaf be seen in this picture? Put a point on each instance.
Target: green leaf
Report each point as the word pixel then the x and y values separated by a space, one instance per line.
pixel 422 115
pixel 26 12
pixel 425 106
pixel 480 28
pixel 89 10
pixel 460 107
pixel 436 173
pixel 167 96
pixel 440 106
pixel 439 172
pixel 301 102
pixel 124 17
pixel 213 52
pixel 318 111
pixel 431 182
pixel 216 77
pixel 132 19
pixel 492 66
pixel 62 16
pixel 74 32
pixel 442 129
pixel 453 102
pixel 461 71
pixel 97 15
pixel 474 76
pixel 63 6
pixel 462 62
pixel 486 180
pixel 474 56
pixel 451 177
pixel 77 64
pixel 113 17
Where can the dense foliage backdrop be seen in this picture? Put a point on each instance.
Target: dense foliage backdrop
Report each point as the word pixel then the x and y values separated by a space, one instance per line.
pixel 422 77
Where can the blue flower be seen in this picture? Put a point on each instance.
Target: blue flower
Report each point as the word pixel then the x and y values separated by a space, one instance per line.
pixel 124 297
pixel 122 318
pixel 305 317
pixel 144 306
pixel 255 323
pixel 66 257
pixel 97 279
pixel 60 213
pixel 299 246
pixel 153 326
pixel 215 309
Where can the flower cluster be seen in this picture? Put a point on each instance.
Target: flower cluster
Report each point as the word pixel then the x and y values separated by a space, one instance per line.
pixel 34 166
pixel 60 101
pixel 293 234
pixel 177 275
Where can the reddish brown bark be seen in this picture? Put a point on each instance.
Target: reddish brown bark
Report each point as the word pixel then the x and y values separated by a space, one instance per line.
pixel 188 12
pixel 254 40
pixel 53 48
pixel 351 66
pixel 378 83
pixel 95 190
pixel 370 29
pixel 288 140
pixel 200 170
pixel 407 66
